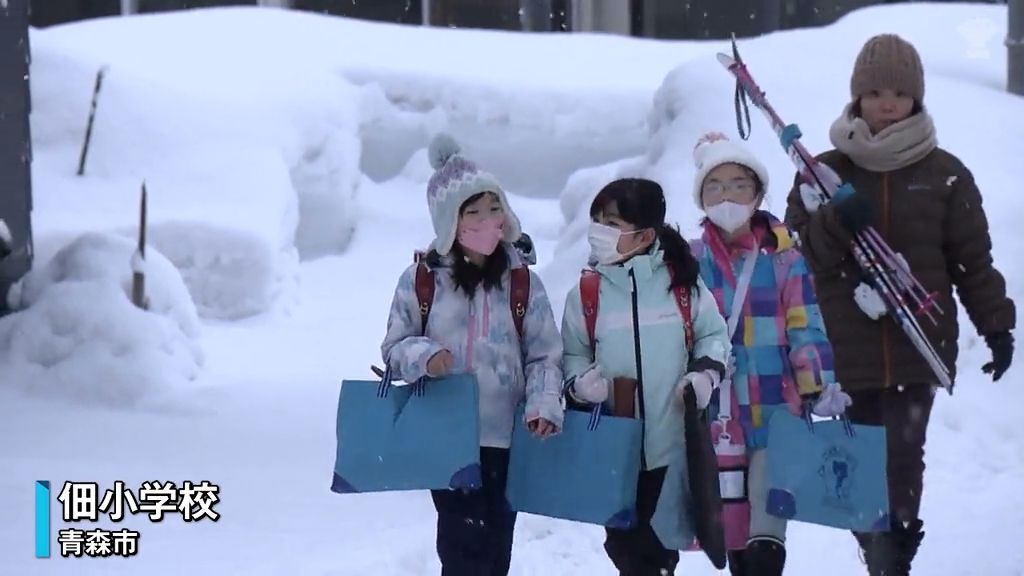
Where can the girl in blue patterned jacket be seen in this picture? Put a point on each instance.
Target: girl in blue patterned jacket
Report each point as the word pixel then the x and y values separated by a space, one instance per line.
pixel 471 329
pixel 781 353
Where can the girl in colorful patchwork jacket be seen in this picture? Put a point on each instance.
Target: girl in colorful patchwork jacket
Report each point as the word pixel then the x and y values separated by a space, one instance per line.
pixel 782 359
pixel 477 278
pixel 628 344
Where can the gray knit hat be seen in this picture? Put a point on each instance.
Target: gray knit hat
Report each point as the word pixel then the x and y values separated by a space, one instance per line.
pixel 888 61
pixel 456 180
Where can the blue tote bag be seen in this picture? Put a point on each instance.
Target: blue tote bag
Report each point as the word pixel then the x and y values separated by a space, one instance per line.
pixel 831 473
pixel 424 436
pixel 587 473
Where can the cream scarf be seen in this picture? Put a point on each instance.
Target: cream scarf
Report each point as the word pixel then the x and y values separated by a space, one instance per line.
pixel 898 146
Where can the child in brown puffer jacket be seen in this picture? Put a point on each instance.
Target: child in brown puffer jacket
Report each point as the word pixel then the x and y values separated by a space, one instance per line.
pixel 925 204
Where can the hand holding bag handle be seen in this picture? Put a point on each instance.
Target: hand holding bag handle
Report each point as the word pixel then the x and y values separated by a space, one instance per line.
pixel 567 399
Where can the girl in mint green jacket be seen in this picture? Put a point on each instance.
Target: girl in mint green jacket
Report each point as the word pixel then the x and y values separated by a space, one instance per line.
pixel 640 261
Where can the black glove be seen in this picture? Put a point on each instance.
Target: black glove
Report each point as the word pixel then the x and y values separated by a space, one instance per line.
pixel 1002 354
pixel 853 210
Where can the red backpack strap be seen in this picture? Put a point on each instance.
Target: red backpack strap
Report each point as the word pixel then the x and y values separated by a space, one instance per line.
pixel 519 296
pixel 590 290
pixel 424 292
pixel 684 300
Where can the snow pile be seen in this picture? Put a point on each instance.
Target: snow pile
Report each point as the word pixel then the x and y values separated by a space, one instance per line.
pixel 239 189
pixel 495 92
pixel 77 334
pixel 254 151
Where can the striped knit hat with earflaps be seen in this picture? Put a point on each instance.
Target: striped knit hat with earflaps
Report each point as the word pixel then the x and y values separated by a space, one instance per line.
pixel 456 180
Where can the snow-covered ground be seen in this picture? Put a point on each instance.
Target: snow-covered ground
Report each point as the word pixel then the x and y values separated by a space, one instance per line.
pixel 283 155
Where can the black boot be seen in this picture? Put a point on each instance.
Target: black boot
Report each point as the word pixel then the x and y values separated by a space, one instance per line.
pixel 876 551
pixel 906 540
pixel 891 553
pixel 736 563
pixel 764 557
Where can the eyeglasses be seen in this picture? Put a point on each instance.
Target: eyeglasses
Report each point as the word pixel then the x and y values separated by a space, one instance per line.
pixel 716 190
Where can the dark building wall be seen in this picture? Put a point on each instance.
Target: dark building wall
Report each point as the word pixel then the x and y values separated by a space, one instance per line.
pixel 15 143
pixel 700 19
pixel 719 19
pixel 804 13
pixel 52 12
pixel 396 11
pixel 491 14
pixel 168 5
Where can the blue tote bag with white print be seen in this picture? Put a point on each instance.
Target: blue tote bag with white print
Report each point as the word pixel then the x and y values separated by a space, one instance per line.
pixel 587 473
pixel 423 436
pixel 830 473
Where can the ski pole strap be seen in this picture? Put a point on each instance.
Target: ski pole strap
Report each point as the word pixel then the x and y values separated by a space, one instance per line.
pixel 741 95
pixel 742 112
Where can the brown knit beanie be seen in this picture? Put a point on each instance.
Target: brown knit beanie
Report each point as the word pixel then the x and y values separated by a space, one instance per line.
pixel 888 61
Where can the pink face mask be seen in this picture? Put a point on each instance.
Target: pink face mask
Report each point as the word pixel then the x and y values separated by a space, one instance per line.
pixel 482 237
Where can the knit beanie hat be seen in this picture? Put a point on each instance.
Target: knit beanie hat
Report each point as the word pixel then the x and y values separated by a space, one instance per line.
pixel 456 180
pixel 888 61
pixel 714 149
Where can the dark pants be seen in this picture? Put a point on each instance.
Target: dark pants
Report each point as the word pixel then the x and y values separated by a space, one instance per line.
pixel 474 528
pixel 905 417
pixel 638 551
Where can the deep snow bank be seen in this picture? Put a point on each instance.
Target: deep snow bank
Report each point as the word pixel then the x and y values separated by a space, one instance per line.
pixel 77 335
pixel 532 107
pixel 245 172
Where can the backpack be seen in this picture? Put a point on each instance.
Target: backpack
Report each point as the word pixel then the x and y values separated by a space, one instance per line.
pixel 519 290
pixel 590 289
pixel 519 293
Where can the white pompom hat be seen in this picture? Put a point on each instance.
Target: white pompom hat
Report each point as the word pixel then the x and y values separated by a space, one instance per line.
pixel 714 149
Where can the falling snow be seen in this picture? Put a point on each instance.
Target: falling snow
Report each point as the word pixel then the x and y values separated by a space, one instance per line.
pixel 288 365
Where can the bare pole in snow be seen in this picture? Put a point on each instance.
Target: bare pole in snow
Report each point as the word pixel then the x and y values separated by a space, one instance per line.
pixel 92 116
pixel 139 259
pixel 1015 47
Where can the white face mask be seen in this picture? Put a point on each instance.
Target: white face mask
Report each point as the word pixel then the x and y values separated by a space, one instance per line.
pixel 604 243
pixel 730 216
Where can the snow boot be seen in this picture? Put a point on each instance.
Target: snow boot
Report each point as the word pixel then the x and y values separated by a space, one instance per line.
pixel 906 541
pixel 876 552
pixel 764 557
pixel 891 553
pixel 736 563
